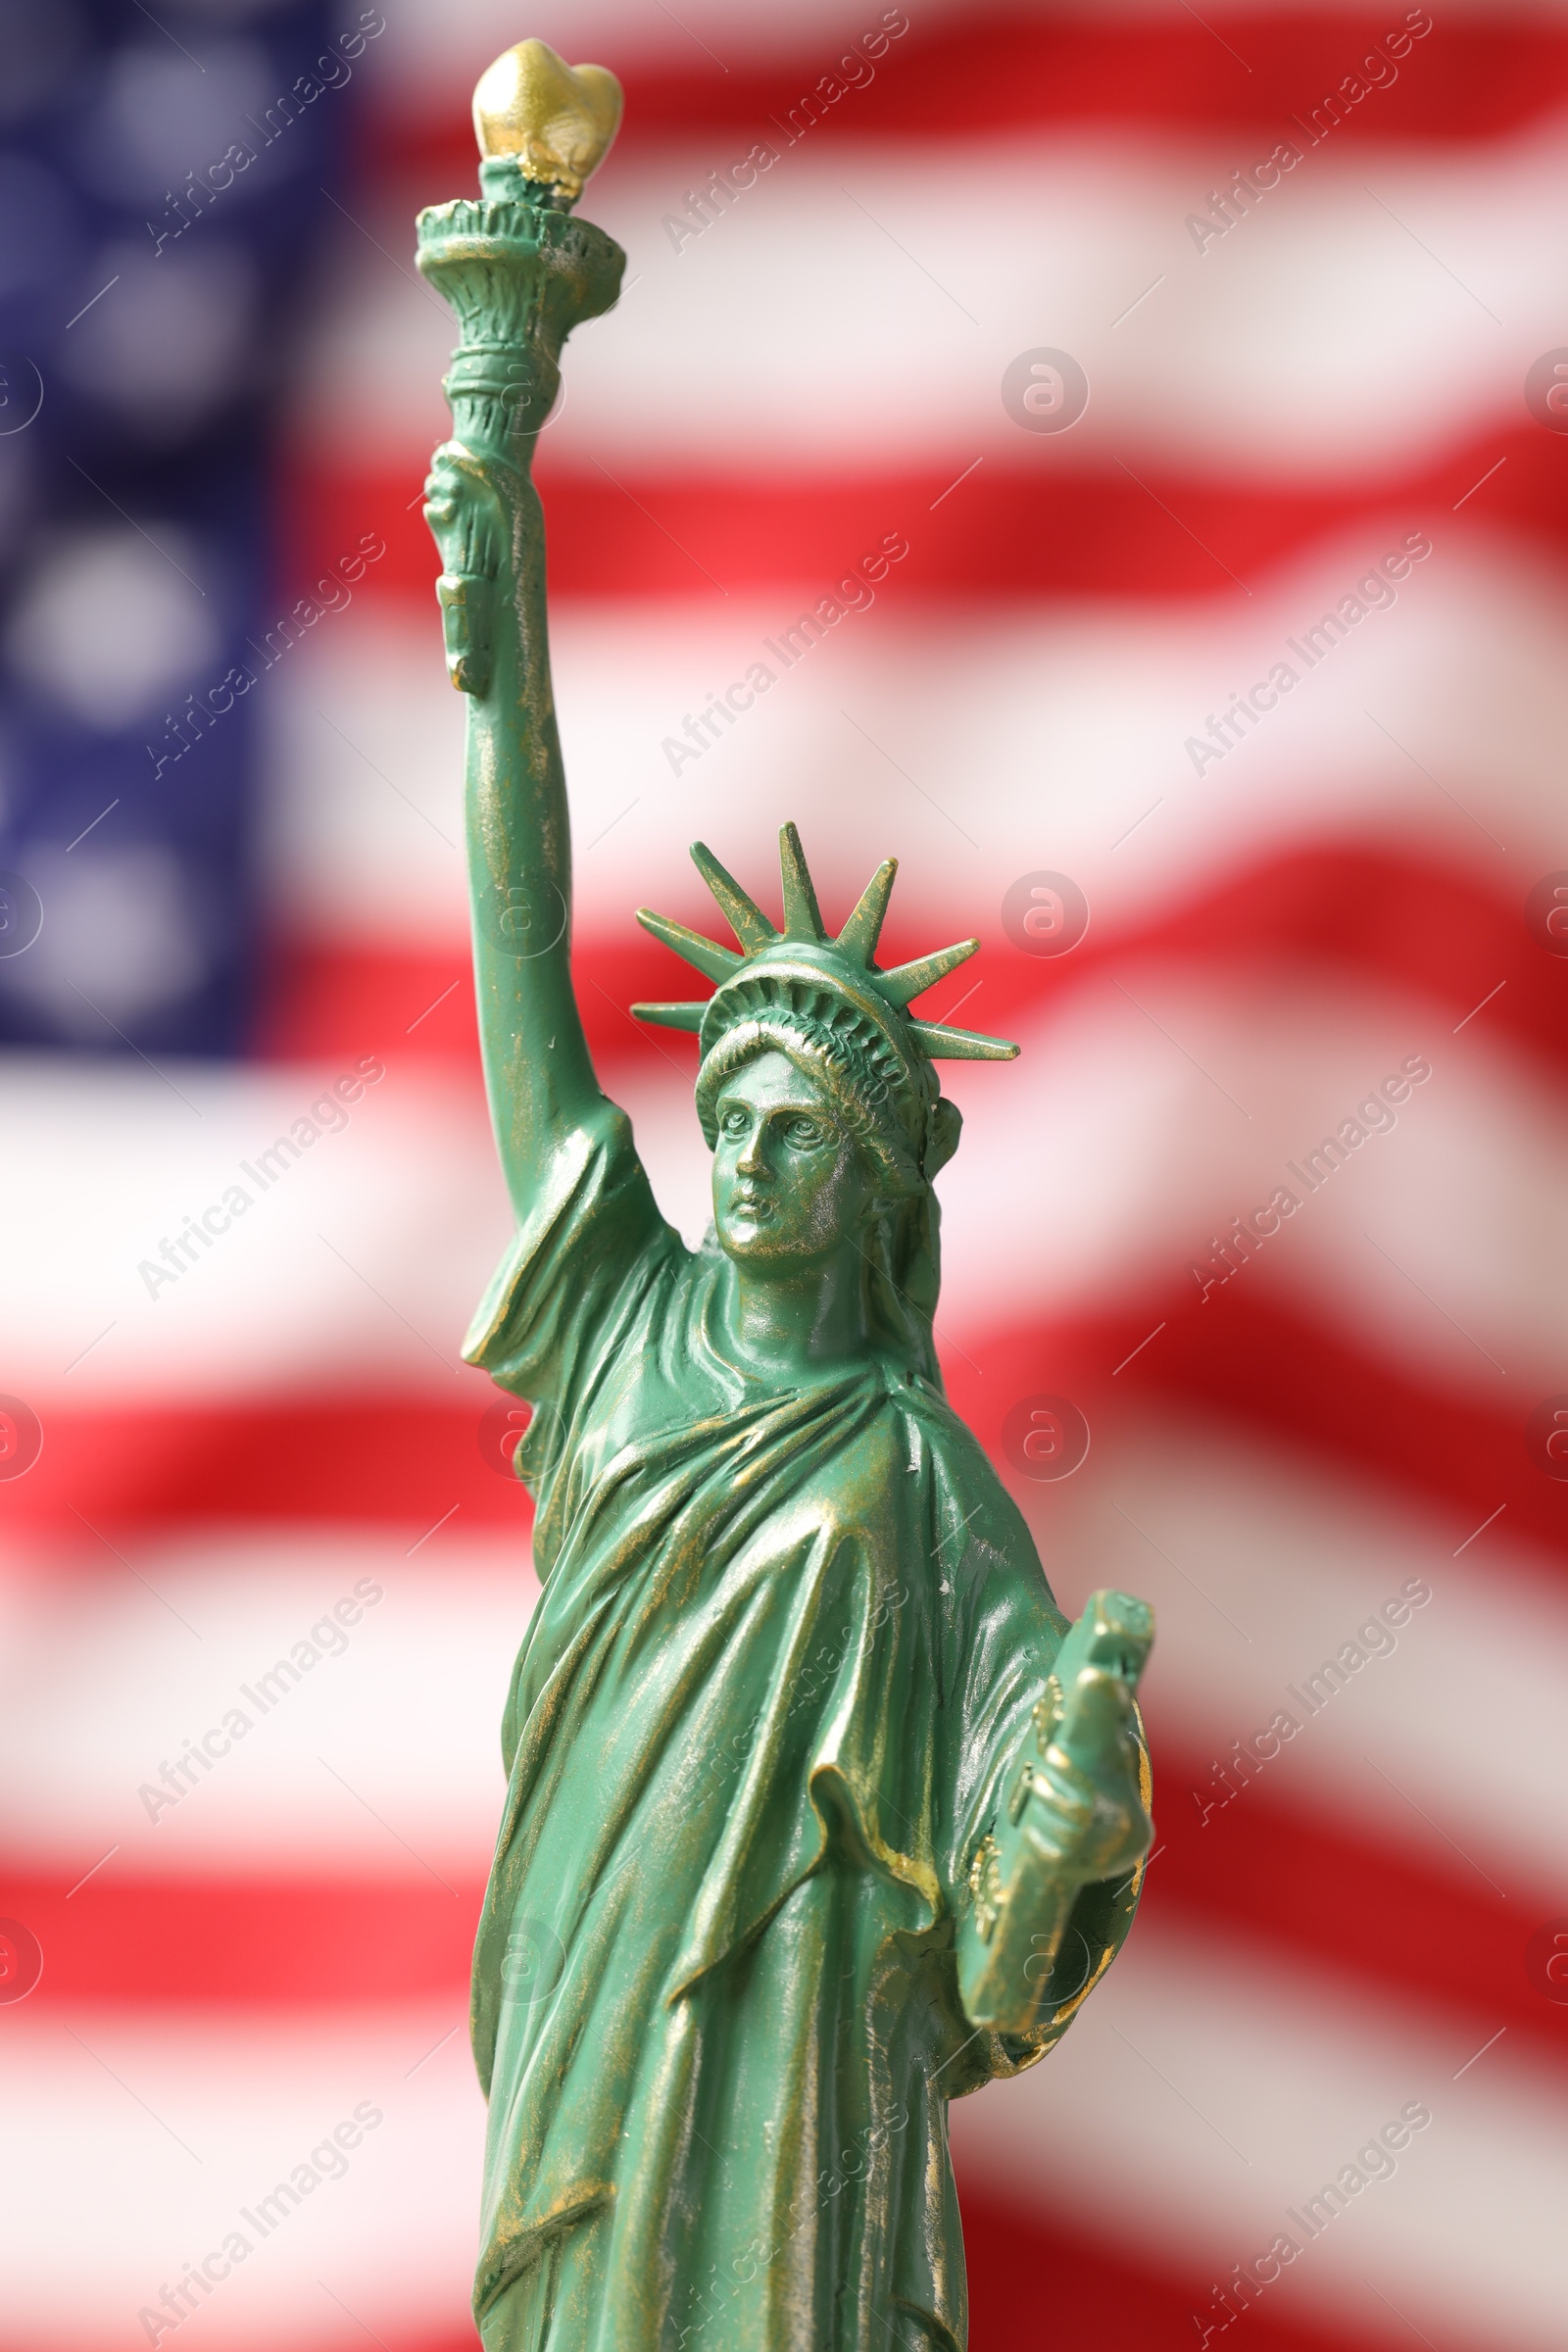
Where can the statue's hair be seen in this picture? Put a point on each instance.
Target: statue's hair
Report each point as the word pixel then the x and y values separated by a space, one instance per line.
pixel 844 1021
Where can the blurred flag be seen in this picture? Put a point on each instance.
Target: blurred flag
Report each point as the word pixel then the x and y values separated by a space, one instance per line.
pixel 1115 463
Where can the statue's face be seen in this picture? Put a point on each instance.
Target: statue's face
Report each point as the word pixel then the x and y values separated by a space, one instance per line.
pixel 789 1188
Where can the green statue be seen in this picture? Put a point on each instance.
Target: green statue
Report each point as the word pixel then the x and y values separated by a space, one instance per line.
pixel 818 1816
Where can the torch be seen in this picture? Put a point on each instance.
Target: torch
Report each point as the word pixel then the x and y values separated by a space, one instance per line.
pixel 520 273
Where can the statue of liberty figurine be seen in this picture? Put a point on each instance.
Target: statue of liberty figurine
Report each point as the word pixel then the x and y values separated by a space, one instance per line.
pixel 818 1814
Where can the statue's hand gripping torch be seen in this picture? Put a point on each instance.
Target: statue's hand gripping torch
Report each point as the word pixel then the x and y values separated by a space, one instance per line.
pixel 521 273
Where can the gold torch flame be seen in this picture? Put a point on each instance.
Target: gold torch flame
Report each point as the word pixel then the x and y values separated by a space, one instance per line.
pixel 556 120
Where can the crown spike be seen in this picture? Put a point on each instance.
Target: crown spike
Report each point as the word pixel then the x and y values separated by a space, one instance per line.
pixel 670 1017
pixel 705 955
pixel 962 1044
pixel 861 933
pixel 909 980
pixel 802 917
pixel 744 917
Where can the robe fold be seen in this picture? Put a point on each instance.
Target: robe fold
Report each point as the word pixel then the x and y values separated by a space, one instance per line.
pixel 787 1648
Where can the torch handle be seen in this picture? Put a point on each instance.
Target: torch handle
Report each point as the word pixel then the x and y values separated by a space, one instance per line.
pixel 519 273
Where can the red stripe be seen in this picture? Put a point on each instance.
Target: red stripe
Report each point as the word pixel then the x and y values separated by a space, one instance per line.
pixel 293 2331
pixel 1036 2284
pixel 1389 1925
pixel 281 1942
pixel 1036 520
pixel 1265 1867
pixel 301 1456
pixel 1369 917
pixel 1243 1354
pixel 1040 2283
pixel 358 1457
pixel 1265 1367
pixel 1246 82
pixel 1245 1357
pixel 414 1004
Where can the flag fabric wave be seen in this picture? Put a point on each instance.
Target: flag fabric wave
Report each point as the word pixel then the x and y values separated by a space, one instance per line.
pixel 1116 463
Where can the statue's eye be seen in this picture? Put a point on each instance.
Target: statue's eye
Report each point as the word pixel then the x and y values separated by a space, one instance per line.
pixel 733 1121
pixel 805 1133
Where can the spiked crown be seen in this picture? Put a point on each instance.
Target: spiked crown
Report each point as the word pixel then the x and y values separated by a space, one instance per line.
pixel 827 1000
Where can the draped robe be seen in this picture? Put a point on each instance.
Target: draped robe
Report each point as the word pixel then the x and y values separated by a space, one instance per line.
pixel 787 1647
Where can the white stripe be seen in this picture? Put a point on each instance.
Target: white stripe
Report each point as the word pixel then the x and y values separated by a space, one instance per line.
pixel 1260 1569
pixel 1380 305
pixel 380 1760
pixel 1178 1104
pixel 1195 2050
pixel 1096 1171
pixel 360 1262
pixel 1189 2053
pixel 1150 1109
pixel 1261 1566
pixel 168 2133
pixel 979 746
pixel 1099 1169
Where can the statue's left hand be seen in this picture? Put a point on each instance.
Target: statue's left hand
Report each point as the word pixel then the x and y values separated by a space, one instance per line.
pixel 1074 1816
pixel 1084 1816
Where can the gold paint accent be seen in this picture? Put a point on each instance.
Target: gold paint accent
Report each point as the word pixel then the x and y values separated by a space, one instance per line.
pixel 851 956
pixel 1134 1888
pixel 1048 1711
pixel 556 120
pixel 1023 1789
pixel 986 1887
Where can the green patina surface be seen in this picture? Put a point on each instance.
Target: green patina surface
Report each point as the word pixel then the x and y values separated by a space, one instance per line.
pixel 802 1839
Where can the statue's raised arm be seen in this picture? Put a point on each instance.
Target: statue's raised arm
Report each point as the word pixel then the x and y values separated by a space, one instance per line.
pixel 820 1815
pixel 519 273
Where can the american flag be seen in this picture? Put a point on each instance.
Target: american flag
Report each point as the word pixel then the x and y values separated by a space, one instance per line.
pixel 1042 397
